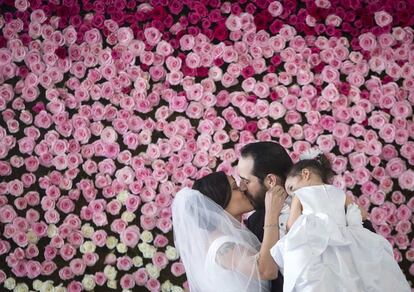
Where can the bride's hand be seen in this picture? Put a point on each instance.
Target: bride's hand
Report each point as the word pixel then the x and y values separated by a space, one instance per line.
pixel 274 200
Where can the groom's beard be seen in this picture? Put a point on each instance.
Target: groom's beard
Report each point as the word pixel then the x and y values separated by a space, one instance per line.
pixel 257 201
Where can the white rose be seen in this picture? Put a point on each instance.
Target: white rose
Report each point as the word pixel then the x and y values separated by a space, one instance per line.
pixel 123 196
pixel 32 237
pixel 110 272
pixel 37 284
pixel 88 282
pixel 146 236
pixel 47 286
pixel 215 73
pixel 121 248
pixel 166 286
pixel 128 216
pixel 177 289
pixel 21 287
pixel 52 230
pixel 10 283
pixel 60 289
pixel 126 290
pixel 147 250
pixel 153 271
pixel 87 247
pixel 171 253
pixel 111 242
pixel 87 230
pixel 111 284
pixel 137 261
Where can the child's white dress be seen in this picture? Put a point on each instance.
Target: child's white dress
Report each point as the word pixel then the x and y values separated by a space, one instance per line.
pixel 328 250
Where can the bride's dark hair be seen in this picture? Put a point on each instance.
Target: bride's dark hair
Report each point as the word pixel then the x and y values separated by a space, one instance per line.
pixel 215 186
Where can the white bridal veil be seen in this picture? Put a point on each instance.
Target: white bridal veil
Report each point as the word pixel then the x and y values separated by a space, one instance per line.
pixel 218 253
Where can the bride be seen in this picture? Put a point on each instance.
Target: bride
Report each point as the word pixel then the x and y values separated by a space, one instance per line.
pixel 218 252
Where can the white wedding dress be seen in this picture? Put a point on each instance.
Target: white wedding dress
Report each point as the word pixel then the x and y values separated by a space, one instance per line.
pixel 219 253
pixel 329 250
pixel 227 280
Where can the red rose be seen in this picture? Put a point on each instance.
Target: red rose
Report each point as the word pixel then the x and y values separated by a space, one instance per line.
pixel 220 32
pixel 251 127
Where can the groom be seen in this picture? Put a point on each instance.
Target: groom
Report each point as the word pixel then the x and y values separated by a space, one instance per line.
pixel 257 161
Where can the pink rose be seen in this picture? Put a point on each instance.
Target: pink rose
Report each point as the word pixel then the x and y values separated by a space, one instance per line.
pixel 33 268
pixel 20 238
pixel 141 276
pixel 153 285
pixel 90 259
pixel 4 247
pixel 125 35
pixel 325 143
pixel 160 260
pixel 77 266
pixel 160 240
pixel 187 42
pixel 2 276
pixel 99 238
pixel 177 269
pixel 124 263
pixel 397 197
pixel 66 273
pixel 147 222
pixel 75 286
pixel 7 214
pixel 367 41
pixel 173 64
pixel 48 268
pixel 127 281
pixel 15 187
pixel 403 227
pixel 50 252
pixel 402 241
pixel 99 218
pixel 164 224
pixel 409 255
pixel 395 167
pixel 377 197
pixel 67 252
pixel 382 18
pixel 100 278
pixel 403 213
pixel 275 8
pixel 330 93
pixel 378 216
pixel 130 236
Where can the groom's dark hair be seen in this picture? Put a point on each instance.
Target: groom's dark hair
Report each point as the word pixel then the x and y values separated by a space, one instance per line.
pixel 268 157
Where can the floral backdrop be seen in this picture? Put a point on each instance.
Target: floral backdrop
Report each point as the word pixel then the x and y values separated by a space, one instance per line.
pixel 109 107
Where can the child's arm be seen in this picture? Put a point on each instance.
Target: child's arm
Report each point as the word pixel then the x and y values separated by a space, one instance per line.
pixel 295 212
pixel 364 213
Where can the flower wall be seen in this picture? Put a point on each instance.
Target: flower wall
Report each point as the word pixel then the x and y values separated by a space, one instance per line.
pixel 109 107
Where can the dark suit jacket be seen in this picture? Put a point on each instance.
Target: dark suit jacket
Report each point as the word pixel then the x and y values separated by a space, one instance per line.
pixel 255 223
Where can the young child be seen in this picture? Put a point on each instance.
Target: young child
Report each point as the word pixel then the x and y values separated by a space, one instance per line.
pixel 326 248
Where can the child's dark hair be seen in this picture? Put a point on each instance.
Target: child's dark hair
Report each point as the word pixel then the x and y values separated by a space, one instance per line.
pixel 320 165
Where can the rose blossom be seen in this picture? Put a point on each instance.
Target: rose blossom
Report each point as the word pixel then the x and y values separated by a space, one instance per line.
pixel 127 281
pixel 130 236
pixel 124 263
pixel 177 269
pixel 382 18
pixel 406 180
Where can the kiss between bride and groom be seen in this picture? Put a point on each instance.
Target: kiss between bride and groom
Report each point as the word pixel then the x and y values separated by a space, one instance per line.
pixel 305 234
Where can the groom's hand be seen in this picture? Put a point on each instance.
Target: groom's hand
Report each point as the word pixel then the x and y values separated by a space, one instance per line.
pixel 274 200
